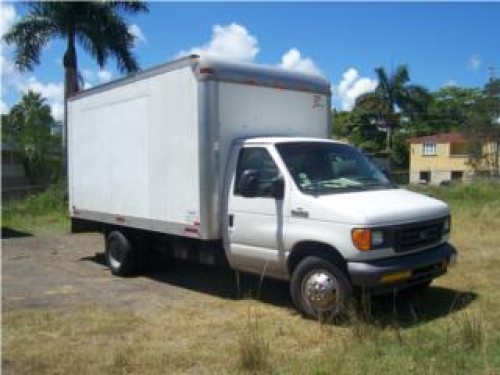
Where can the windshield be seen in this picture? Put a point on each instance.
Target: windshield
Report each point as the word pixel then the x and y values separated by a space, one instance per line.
pixel 324 168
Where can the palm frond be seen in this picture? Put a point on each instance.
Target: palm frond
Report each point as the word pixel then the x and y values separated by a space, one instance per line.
pixel 29 36
pixel 107 36
pixel 401 76
pixel 130 6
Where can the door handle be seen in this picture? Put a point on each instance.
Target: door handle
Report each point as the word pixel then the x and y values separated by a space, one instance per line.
pixel 231 220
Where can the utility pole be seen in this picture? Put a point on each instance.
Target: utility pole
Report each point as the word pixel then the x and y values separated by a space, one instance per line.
pixel 493 91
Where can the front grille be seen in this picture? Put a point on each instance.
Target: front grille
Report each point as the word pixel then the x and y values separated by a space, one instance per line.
pixel 419 235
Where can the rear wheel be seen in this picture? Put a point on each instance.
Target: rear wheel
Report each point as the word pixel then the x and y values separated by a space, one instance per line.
pixel 319 289
pixel 120 254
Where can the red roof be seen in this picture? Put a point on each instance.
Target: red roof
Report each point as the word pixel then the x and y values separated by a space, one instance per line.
pixel 440 138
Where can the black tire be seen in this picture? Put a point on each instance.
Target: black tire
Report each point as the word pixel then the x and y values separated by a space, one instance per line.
pixel 308 275
pixel 418 288
pixel 121 256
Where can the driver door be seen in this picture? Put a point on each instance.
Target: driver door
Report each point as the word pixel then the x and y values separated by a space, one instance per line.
pixel 255 224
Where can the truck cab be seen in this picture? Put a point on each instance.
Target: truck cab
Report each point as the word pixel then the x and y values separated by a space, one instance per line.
pixel 320 214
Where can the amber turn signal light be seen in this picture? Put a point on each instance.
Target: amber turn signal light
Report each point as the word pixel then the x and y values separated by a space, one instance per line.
pixel 362 239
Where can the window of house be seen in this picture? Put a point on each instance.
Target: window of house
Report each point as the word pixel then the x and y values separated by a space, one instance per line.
pixel 458 149
pixel 429 149
pixel 425 176
pixel 457 175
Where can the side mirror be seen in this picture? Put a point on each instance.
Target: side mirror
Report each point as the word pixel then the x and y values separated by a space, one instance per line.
pixel 278 189
pixel 249 183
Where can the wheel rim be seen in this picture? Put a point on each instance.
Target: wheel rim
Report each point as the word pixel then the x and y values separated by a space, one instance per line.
pixel 320 291
pixel 116 255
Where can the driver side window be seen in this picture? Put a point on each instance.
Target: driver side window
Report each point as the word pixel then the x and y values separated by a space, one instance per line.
pixel 259 160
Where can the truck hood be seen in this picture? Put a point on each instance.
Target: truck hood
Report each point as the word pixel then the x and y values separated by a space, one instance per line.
pixel 376 207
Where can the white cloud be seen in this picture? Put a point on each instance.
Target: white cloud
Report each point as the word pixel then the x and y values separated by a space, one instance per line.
pixel 8 16
pixel 91 78
pixel 136 31
pixel 52 92
pixel 474 63
pixel 351 86
pixel 88 74
pixel 292 60
pixel 4 109
pixel 450 83
pixel 57 109
pixel 104 75
pixel 232 42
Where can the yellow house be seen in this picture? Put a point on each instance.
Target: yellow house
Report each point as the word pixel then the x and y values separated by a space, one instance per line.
pixel 443 157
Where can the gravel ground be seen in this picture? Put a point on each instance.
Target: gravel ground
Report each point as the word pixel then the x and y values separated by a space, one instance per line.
pixel 65 270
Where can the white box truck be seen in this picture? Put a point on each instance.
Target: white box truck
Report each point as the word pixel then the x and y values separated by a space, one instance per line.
pixel 218 161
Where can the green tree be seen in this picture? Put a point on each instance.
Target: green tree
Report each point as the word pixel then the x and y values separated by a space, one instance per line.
pixel 394 99
pixel 98 27
pixel 448 111
pixel 482 127
pixel 28 128
pixel 359 129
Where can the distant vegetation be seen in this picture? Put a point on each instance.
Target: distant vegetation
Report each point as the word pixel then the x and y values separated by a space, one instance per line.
pixel 40 212
pixel 384 120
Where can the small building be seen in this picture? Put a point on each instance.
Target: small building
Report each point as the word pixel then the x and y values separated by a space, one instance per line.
pixel 15 183
pixel 439 158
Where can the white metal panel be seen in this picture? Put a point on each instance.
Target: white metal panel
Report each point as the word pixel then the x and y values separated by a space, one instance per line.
pixel 129 157
pixel 174 147
pixel 247 110
pixel 133 149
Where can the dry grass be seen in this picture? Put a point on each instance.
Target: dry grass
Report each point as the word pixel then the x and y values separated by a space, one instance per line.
pixel 453 328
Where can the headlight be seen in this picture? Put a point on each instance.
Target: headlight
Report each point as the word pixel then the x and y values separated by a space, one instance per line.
pixel 447 225
pixel 377 238
pixel 366 239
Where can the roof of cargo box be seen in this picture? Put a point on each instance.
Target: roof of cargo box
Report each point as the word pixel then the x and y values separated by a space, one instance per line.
pixel 206 68
pixel 260 75
pixel 254 140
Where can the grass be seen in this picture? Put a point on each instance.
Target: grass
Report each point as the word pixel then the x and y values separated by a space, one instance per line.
pixel 453 328
pixel 41 212
pixel 253 348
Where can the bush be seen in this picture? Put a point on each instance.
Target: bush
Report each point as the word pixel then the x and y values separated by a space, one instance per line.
pixel 48 209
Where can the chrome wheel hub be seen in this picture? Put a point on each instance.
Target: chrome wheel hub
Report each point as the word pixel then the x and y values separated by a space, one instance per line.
pixel 115 255
pixel 319 288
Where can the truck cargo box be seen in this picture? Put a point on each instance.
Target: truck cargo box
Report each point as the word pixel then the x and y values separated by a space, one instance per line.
pixel 149 151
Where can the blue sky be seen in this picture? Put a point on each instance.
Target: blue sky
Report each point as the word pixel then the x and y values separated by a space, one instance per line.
pixel 443 43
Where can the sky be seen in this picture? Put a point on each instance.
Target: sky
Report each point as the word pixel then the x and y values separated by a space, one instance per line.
pixel 442 43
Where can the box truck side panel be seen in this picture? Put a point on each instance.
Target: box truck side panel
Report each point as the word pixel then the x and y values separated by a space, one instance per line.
pixel 134 153
pixel 174 147
pixel 247 110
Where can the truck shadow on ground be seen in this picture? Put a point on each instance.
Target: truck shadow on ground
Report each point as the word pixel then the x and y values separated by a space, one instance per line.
pixel 403 309
pixel 407 309
pixel 13 233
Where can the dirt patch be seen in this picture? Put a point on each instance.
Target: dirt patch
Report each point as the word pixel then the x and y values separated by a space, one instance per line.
pixel 67 270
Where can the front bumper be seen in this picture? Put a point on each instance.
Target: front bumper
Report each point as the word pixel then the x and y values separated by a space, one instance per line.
pixel 381 276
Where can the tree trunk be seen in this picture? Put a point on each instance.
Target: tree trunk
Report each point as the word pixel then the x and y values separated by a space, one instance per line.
pixel 70 87
pixel 388 139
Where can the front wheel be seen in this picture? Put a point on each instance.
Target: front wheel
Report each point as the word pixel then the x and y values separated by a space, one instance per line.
pixel 319 289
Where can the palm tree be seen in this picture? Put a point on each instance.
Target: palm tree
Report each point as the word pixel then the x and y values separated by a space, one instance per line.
pixel 98 27
pixel 392 98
